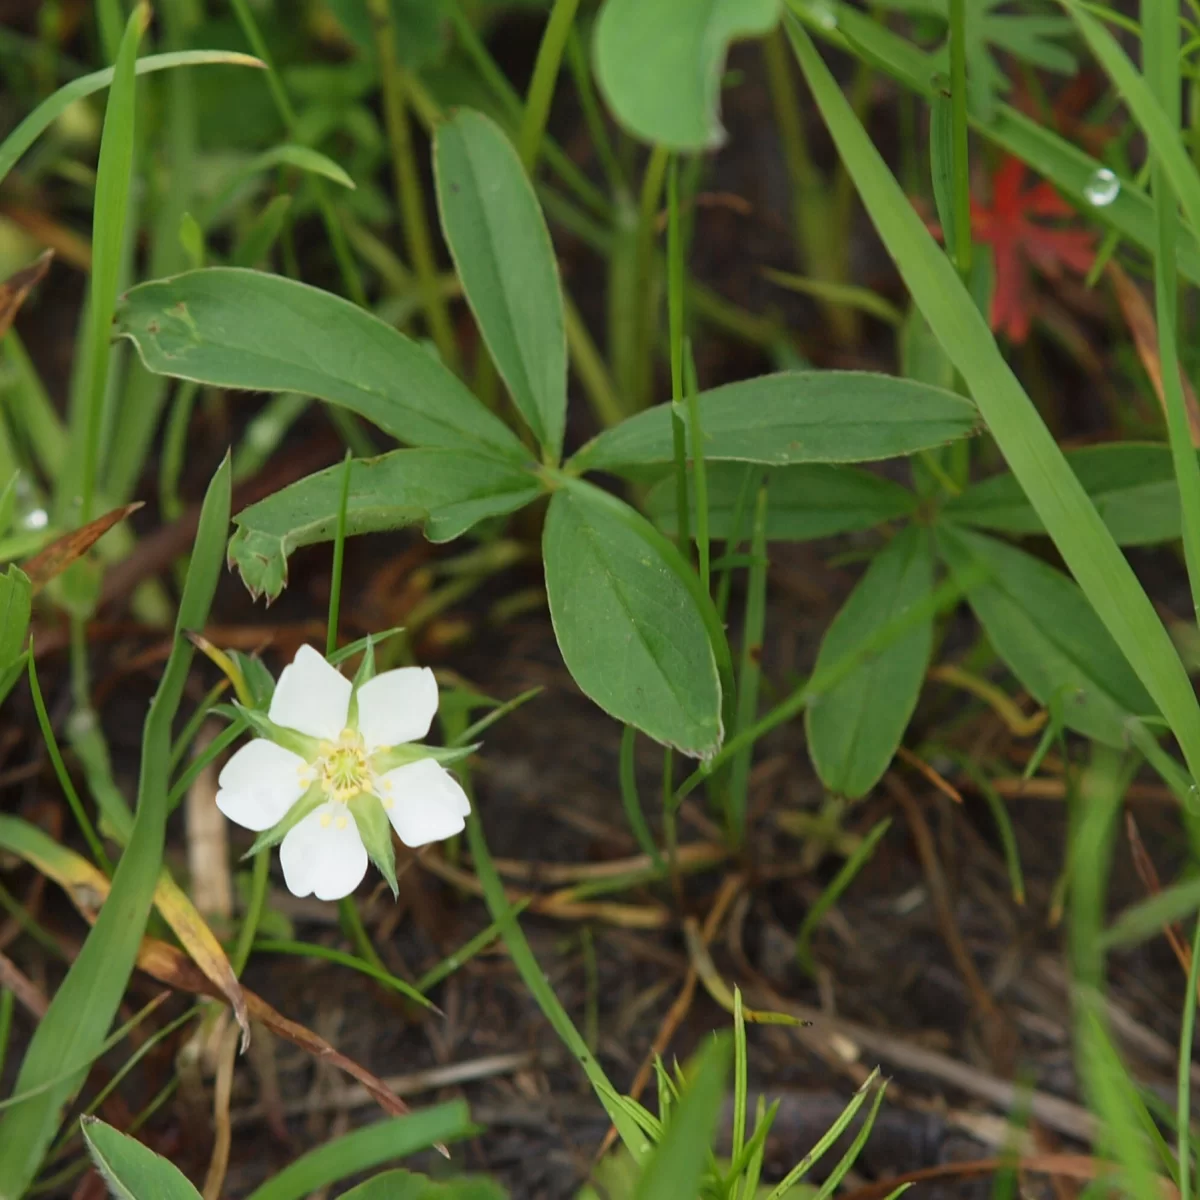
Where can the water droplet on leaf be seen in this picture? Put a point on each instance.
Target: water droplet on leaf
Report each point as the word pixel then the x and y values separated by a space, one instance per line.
pixel 1102 188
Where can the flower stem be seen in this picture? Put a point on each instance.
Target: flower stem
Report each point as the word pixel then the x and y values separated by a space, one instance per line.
pixel 339 552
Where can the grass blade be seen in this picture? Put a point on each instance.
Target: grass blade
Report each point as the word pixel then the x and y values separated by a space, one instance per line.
pixel 46 113
pixel 365 1148
pixel 1154 101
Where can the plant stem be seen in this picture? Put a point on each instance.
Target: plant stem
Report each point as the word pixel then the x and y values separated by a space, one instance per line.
pixel 339 552
pixel 962 162
pixel 541 86
pixel 409 193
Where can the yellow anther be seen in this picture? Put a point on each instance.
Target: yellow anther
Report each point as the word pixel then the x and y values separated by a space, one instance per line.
pixel 341 822
pixel 326 819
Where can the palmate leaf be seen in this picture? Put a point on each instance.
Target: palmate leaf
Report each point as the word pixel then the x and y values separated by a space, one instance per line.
pixel 1031 37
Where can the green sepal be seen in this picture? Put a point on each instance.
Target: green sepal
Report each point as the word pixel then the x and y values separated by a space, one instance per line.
pixel 404 755
pixel 365 673
pixel 309 748
pixel 310 801
pixel 376 832
pixel 258 678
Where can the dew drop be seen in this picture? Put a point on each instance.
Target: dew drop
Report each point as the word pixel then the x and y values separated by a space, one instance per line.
pixel 1102 188
pixel 1192 803
pixel 36 518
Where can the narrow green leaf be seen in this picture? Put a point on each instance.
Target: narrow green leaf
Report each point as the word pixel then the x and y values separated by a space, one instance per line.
pixel 659 63
pixel 1042 626
pixel 629 631
pixel 1147 918
pixel 286 154
pixel 234 328
pixel 447 491
pixel 1092 556
pixel 855 728
pixel 131 1170
pixel 50 109
pixel 366 1148
pixel 810 500
pixel 114 179
pixel 1132 485
pixel 537 983
pixel 503 254
pixel 796 417
pixel 678 1163
pixel 404 1185
pixel 87 999
pixel 833 892
pixel 16 599
pixel 941 165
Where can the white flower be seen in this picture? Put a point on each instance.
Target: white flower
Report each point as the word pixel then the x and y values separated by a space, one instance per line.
pixel 325 790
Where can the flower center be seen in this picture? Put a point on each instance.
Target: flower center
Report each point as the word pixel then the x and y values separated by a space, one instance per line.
pixel 342 767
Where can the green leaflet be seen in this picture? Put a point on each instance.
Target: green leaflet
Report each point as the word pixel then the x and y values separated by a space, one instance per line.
pixel 1132 485
pixel 234 328
pixel 131 1170
pixel 447 491
pixel 1039 622
pixel 659 63
pixel 854 729
pixel 629 630
pixel 810 500
pixel 503 254
pixel 796 417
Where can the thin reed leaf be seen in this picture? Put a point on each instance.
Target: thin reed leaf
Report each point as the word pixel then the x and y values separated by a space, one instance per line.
pixel 469 949
pixel 837 886
pixel 339 553
pixel 355 963
pixel 960 165
pixel 827 1139
pixel 1183 1076
pixel 632 802
pixel 114 178
pixel 1160 50
pixel 369 1146
pixel 64 776
pixel 541 84
pixel 750 666
pixel 535 980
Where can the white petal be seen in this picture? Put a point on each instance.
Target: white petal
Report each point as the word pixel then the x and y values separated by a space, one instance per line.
pixel 323 854
pixel 311 696
pixel 397 706
pixel 259 784
pixel 424 802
